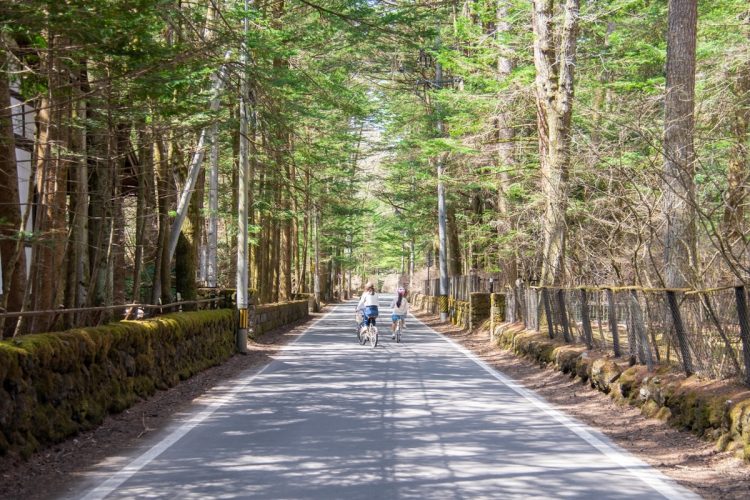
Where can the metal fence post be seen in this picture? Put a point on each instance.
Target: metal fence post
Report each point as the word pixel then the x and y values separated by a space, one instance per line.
pixel 563 316
pixel 588 336
pixel 548 312
pixel 687 360
pixel 613 322
pixel 739 293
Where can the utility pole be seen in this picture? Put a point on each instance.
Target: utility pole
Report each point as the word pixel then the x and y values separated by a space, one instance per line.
pixel 426 61
pixel 243 209
pixel 442 213
pixel 213 206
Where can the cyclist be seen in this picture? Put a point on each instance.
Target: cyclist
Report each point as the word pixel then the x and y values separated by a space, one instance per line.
pixel 400 308
pixel 368 304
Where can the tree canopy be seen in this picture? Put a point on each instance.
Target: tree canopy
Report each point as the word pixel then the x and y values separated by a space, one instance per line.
pixel 551 136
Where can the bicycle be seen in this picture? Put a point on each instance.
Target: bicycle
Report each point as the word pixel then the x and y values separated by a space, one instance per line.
pixel 399 329
pixel 370 332
pixel 370 335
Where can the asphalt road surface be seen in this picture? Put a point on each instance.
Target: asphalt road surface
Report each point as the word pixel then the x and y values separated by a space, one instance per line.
pixel 330 419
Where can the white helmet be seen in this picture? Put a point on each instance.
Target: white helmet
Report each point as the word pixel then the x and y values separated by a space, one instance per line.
pixel 401 290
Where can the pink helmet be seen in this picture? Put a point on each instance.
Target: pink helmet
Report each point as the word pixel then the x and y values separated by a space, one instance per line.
pixel 401 290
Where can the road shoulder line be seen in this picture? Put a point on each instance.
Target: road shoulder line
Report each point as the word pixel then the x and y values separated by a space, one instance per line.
pixel 638 468
pixel 126 472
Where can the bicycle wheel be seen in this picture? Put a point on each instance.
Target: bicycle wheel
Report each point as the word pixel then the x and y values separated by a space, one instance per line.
pixel 373 334
pixel 399 326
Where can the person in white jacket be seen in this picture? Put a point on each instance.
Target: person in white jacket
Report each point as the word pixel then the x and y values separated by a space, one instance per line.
pixel 368 304
pixel 400 308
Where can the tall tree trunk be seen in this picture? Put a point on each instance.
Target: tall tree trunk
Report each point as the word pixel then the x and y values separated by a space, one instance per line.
pixel 554 89
pixel 78 271
pixel 118 265
pixel 162 290
pixel 51 183
pixel 142 170
pixel 285 281
pixel 679 154
pixel 295 246
pixel 505 136
pixel 81 256
pixel 188 246
pixel 12 256
pixel 737 170
pixel 263 235
pixel 305 236
pixel 454 244
pixel 99 216
pixel 275 236
pixel 316 274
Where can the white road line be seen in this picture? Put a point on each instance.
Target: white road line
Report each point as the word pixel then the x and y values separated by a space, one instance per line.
pixel 144 459
pixel 638 468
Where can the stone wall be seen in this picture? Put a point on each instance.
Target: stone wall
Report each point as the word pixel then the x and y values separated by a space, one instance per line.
pixel 312 306
pixel 459 312
pixel 497 310
pixel 717 410
pixel 270 316
pixel 427 303
pixel 55 385
pixel 479 307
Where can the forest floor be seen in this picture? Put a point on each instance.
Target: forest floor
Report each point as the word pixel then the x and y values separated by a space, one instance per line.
pixel 686 458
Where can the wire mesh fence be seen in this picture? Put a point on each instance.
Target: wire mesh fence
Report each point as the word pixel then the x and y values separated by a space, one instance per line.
pixel 706 332
pixel 63 319
pixel 461 287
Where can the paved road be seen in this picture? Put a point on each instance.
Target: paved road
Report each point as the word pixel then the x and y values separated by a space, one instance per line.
pixel 330 419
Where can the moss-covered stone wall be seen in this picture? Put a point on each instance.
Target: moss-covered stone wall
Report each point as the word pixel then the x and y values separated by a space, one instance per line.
pixel 427 303
pixel 55 385
pixel 270 316
pixel 717 410
pixel 479 307
pixel 310 298
pixel 497 310
pixel 459 311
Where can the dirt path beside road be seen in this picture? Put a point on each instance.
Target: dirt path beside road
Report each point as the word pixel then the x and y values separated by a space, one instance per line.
pixel 691 461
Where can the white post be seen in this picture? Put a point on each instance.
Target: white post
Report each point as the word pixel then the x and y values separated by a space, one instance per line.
pixel 244 168
pixel 442 214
